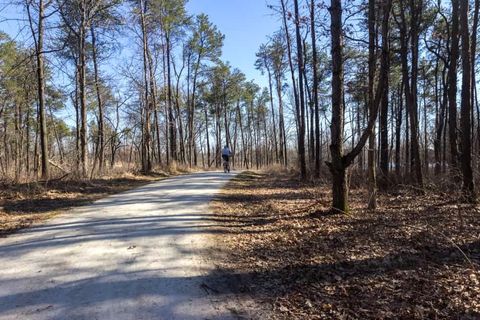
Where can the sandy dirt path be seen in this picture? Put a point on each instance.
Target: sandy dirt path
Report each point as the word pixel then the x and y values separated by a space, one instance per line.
pixel 135 255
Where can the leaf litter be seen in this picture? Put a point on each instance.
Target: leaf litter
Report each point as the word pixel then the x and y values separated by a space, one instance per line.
pixel 416 257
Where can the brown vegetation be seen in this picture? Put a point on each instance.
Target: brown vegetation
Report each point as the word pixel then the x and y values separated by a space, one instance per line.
pixel 416 257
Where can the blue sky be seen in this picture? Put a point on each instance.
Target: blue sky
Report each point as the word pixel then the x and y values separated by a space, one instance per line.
pixel 246 24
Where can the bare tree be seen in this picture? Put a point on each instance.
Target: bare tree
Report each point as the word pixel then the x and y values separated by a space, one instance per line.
pixel 340 161
pixel 38 37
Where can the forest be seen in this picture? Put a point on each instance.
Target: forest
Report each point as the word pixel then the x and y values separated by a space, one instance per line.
pixel 381 89
pixel 365 106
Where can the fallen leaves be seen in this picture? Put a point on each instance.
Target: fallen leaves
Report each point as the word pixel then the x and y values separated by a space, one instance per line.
pixel 416 257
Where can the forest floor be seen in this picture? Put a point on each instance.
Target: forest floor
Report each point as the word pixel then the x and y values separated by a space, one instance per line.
pixel 416 257
pixel 21 205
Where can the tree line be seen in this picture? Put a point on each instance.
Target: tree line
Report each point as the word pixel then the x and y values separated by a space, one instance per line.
pixel 381 89
pixel 404 67
pixel 172 100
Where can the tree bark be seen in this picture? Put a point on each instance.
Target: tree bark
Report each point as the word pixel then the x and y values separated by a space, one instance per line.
pixel 372 179
pixel 38 36
pixel 410 84
pixel 341 162
pixel 290 59
pixel 101 120
pixel 337 167
pixel 315 89
pixel 384 148
pixel 146 136
pixel 274 122
pixel 301 106
pixel 83 91
pixel 452 91
pixel 465 123
pixel 171 119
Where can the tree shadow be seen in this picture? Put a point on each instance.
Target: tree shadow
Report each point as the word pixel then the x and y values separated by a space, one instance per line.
pixel 174 297
pixel 142 294
pixel 131 285
pixel 411 259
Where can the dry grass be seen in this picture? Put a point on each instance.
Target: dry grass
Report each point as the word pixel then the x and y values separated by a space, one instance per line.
pixel 24 204
pixel 417 257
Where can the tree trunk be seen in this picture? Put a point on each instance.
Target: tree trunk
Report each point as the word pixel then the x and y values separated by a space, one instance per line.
pixel 413 97
pixel 341 162
pixel 83 94
pixel 410 85
pixel 207 136
pixel 465 124
pixel 337 167
pixel 372 180
pixel 101 133
pixel 440 121
pixel 290 59
pixel 398 132
pixel 146 136
pixel 45 170
pixel 171 120
pixel 315 89
pixel 425 123
pixel 274 124
pixel 281 122
pixel 452 91
pixel 300 108
pixel 384 156
pixel 473 54
pixel 191 112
